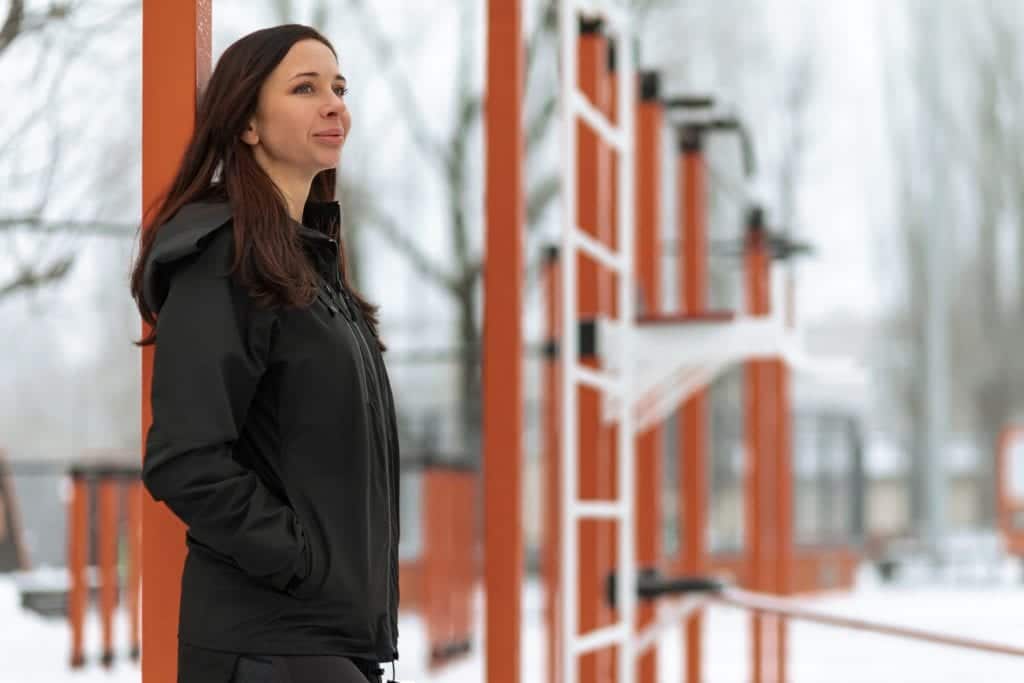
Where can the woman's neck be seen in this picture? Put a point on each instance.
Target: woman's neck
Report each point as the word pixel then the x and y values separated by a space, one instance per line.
pixel 295 195
pixel 294 187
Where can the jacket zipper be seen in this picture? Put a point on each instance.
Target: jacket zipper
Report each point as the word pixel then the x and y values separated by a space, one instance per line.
pixel 339 302
pixel 376 407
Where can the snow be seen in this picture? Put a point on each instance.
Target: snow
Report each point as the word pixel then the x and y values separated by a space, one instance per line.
pixel 34 649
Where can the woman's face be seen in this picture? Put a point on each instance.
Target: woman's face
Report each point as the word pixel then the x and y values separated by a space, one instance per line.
pixel 301 121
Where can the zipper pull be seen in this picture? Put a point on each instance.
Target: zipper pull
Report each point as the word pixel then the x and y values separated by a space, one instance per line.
pixel 328 303
pixel 347 303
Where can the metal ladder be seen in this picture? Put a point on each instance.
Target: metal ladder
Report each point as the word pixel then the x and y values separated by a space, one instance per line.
pixel 575 105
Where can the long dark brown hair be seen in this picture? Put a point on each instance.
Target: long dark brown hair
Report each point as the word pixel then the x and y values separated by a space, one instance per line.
pixel 269 259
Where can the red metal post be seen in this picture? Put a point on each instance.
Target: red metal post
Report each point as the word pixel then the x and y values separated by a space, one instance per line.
pixel 78 553
pixel 448 563
pixel 551 418
pixel 175 62
pixel 1010 503
pixel 608 232
pixel 594 454
pixel 649 118
pixel 133 584
pixel 693 294
pixel 10 520
pixel 783 554
pixel 108 488
pixel 758 528
pixel 435 557
pixel 502 338
pixel 464 493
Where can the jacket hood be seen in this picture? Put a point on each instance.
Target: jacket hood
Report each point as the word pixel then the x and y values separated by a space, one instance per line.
pixel 179 237
pixel 186 233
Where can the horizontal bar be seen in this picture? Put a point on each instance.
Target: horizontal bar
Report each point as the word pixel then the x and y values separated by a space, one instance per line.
pixel 597 509
pixel 600 638
pixel 596 120
pixel 598 380
pixel 685 318
pixel 614 16
pixel 597 250
pixel 668 616
pixel 784 608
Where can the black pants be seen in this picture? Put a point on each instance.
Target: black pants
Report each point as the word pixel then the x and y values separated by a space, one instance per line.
pixel 199 665
pixel 297 669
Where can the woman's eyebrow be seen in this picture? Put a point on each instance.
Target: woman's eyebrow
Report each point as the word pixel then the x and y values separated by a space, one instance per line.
pixel 314 74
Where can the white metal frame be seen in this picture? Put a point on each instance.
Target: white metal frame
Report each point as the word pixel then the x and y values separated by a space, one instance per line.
pixel 576 106
pixel 679 359
pixel 638 390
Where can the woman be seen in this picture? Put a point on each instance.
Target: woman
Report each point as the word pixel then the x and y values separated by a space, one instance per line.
pixel 273 436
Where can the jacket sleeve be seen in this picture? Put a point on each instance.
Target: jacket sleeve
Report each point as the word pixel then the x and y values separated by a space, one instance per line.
pixel 211 351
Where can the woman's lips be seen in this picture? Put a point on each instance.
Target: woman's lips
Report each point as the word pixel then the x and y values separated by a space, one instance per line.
pixel 331 138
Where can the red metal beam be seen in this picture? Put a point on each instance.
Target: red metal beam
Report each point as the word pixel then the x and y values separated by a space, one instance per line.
pixel 133 497
pixel 1009 508
pixel 783 554
pixel 175 62
pixel 693 416
pixel 608 454
pixel 78 554
pixel 758 527
pixel 592 189
pixel 108 489
pixel 502 338
pixel 649 119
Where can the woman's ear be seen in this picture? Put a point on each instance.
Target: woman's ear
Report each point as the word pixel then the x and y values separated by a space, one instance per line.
pixel 250 136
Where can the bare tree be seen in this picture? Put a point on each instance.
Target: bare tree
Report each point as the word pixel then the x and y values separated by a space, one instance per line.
pixel 50 255
pixel 458 274
pixel 955 138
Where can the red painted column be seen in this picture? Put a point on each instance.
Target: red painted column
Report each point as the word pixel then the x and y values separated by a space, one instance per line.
pixel 649 120
pixel 608 454
pixel 465 492
pixel 133 584
pixel 592 443
pixel 175 62
pixel 784 505
pixel 760 425
pixel 435 557
pixel 108 487
pixel 1010 506
pixel 502 339
pixel 551 417
pixel 78 554
pixel 693 294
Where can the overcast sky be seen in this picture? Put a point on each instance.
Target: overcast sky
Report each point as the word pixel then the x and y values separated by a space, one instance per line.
pixel 843 201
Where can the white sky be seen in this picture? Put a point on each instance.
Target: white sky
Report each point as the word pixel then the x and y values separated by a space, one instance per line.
pixel 842 200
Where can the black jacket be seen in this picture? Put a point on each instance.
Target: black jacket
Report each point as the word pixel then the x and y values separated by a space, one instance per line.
pixel 274 439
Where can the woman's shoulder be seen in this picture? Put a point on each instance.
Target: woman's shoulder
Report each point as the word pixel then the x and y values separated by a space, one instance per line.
pixel 196 243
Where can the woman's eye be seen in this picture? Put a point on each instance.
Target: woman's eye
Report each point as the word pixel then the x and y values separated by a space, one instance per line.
pixel 341 91
pixel 305 87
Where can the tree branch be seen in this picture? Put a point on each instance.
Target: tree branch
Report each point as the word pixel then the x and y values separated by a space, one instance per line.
pixel 537 126
pixel 546 25
pixel 28 278
pixel 35 223
pixel 12 27
pixel 19 23
pixel 385 52
pixel 389 229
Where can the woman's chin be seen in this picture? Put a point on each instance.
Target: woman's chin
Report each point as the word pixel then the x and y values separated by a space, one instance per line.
pixel 325 164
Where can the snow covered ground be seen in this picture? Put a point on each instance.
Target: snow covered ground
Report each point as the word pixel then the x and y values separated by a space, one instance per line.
pixel 35 650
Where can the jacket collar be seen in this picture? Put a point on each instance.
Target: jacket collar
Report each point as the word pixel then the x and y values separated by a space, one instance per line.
pixel 188 229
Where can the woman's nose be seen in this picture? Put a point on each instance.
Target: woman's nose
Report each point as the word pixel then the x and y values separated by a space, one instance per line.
pixel 334 107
